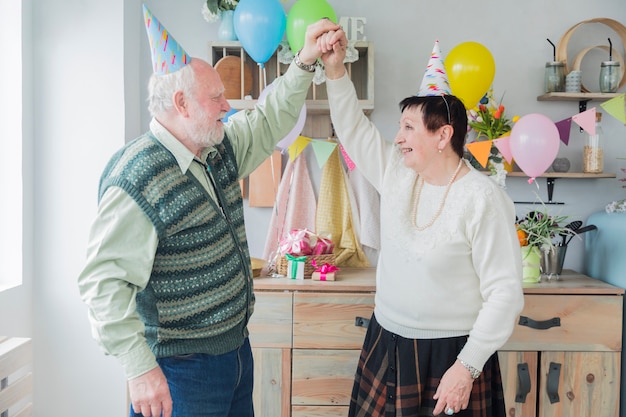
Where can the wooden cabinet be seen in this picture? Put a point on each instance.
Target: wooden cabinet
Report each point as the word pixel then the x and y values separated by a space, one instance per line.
pixel 306 343
pixel 563 358
pixel 253 78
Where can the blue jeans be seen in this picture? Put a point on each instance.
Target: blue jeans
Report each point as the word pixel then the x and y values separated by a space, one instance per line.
pixel 204 385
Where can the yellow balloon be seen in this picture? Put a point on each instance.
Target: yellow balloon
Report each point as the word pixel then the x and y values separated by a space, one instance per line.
pixel 470 68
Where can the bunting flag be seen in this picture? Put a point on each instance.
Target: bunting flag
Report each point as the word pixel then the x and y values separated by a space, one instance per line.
pixel 564 127
pixel 503 144
pixel 322 150
pixel 297 147
pixel 586 120
pixel 615 107
pixel 349 162
pixel 481 151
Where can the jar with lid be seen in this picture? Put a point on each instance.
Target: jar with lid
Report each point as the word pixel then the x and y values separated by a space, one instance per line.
pixel 610 75
pixel 554 80
pixel 593 153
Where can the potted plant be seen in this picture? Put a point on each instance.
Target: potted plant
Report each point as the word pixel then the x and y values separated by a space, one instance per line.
pixel 538 232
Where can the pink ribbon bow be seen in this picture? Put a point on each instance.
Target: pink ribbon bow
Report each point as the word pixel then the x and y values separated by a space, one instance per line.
pixel 324 269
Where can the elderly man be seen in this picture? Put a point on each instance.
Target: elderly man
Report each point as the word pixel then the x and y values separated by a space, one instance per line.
pixel 168 280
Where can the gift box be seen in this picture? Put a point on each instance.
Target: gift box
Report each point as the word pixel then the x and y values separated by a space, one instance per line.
pixel 282 263
pixel 323 272
pixel 295 266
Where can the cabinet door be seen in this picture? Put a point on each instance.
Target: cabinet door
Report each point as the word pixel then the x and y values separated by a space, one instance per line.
pixel 272 382
pixel 323 377
pixel 327 320
pixel 271 322
pixel 579 384
pixel 519 379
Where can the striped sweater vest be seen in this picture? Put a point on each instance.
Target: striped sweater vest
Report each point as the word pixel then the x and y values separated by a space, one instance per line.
pixel 199 296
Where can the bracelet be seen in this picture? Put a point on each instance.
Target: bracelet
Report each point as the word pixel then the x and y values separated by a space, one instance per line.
pixel 475 373
pixel 302 65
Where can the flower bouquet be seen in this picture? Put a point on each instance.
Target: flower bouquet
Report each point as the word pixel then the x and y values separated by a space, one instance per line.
pixel 212 9
pixel 489 122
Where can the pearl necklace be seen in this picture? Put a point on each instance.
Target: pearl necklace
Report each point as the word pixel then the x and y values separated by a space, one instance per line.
pixel 443 200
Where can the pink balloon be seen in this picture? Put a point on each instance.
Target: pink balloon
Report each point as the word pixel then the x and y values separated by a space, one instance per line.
pixel 297 129
pixel 534 144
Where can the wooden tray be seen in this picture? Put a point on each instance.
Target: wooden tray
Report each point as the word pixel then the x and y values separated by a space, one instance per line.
pixel 229 69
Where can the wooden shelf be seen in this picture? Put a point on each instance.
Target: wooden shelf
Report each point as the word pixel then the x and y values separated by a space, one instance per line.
pixel 581 98
pixel 551 178
pixel 361 73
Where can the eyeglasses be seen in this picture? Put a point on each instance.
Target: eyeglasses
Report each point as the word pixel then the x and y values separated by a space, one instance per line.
pixel 447 107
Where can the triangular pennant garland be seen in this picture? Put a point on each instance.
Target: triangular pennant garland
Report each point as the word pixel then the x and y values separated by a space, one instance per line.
pixel 586 120
pixel 322 150
pixel 504 146
pixel 481 151
pixel 564 127
pixel 349 163
pixel 298 146
pixel 615 107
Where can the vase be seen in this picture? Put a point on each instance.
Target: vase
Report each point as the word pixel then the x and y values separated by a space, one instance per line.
pixel 226 31
pixel 531 262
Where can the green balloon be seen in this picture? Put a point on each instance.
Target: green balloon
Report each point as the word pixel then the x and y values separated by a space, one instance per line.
pixel 301 15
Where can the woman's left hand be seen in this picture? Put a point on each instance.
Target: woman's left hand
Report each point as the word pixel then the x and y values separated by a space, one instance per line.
pixel 454 389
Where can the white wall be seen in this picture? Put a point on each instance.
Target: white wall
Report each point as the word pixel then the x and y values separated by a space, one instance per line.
pixel 89 71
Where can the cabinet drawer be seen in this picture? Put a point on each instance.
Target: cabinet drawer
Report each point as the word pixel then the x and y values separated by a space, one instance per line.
pixel 319 411
pixel 327 321
pixel 271 322
pixel 583 323
pixel 323 377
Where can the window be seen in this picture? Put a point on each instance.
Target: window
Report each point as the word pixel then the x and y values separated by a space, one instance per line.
pixel 11 147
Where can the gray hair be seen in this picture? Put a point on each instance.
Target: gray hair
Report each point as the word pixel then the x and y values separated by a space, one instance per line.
pixel 161 89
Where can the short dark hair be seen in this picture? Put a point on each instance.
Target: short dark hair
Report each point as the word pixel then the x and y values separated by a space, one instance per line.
pixel 439 111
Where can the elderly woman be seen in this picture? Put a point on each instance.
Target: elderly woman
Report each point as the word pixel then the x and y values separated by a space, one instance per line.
pixel 448 285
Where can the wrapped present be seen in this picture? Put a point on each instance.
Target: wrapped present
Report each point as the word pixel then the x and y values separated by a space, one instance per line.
pixel 296 242
pixel 282 263
pixel 325 272
pixel 295 266
pixel 323 246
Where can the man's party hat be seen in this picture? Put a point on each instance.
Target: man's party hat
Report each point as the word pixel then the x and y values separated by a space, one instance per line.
pixel 167 55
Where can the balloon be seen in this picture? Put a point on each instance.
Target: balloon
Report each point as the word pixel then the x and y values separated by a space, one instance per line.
pixel 297 129
pixel 301 15
pixel 534 144
pixel 470 68
pixel 260 26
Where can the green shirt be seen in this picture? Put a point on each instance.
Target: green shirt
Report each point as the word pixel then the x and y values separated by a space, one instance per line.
pixel 117 268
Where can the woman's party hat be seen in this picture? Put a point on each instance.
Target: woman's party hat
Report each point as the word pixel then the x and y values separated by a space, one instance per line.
pixel 435 81
pixel 167 55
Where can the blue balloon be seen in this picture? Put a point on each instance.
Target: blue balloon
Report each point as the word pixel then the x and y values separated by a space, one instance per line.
pixel 228 114
pixel 260 26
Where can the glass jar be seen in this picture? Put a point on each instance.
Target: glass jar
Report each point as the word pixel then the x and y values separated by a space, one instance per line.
pixel 610 75
pixel 593 153
pixel 554 80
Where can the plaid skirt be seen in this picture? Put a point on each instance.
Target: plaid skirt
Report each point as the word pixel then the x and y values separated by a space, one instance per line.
pixel 398 377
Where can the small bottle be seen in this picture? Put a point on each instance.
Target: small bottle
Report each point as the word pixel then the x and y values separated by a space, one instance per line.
pixel 554 80
pixel 610 75
pixel 593 154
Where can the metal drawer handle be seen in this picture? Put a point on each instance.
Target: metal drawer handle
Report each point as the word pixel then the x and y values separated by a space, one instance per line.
pixel 361 322
pixel 554 374
pixel 523 379
pixel 539 325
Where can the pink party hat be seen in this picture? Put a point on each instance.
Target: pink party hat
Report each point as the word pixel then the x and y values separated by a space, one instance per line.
pixel 167 55
pixel 435 81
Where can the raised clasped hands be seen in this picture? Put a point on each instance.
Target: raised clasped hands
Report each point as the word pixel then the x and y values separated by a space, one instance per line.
pixel 327 40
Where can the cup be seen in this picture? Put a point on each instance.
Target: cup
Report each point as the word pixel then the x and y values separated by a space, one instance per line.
pixel 610 75
pixel 573 81
pixel 552 262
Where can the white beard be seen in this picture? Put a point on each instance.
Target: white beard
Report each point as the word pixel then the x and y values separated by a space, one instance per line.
pixel 201 131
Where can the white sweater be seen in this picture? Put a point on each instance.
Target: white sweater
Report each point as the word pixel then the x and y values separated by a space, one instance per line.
pixel 460 276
